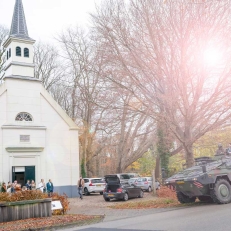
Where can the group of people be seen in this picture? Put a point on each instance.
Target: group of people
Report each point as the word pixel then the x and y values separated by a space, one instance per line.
pixel 11 187
pixel 30 185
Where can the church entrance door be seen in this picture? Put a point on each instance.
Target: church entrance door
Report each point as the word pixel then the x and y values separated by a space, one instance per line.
pixel 22 174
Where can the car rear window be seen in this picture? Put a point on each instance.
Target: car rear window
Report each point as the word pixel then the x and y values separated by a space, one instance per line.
pixel 124 176
pixel 97 181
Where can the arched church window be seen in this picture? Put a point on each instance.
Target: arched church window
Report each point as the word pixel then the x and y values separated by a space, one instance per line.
pixel 7 56
pixel 23 116
pixel 18 51
pixel 26 52
pixel 9 52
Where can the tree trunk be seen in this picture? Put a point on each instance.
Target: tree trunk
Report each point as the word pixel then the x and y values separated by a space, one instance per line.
pixel 119 168
pixel 153 183
pixel 189 156
pixel 157 169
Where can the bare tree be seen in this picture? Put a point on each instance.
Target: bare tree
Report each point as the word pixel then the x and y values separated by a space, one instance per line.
pixel 85 90
pixel 3 34
pixel 130 131
pixel 48 66
pixel 161 49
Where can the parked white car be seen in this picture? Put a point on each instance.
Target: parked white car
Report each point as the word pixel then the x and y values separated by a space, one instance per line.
pixel 93 185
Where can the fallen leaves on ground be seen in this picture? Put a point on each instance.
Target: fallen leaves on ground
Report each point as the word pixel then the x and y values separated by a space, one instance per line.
pixel 166 192
pixel 166 199
pixel 47 222
pixel 152 203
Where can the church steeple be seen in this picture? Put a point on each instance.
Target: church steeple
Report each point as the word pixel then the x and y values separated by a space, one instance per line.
pixel 18 25
pixel 19 47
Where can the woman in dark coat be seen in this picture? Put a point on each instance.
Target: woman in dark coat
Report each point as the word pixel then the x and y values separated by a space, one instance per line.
pixel 3 189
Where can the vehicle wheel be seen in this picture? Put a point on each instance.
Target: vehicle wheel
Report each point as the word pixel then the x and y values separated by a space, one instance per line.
pixel 221 193
pixel 86 193
pixel 141 194
pixel 184 199
pixel 101 193
pixel 149 189
pixel 107 199
pixel 206 199
pixel 125 197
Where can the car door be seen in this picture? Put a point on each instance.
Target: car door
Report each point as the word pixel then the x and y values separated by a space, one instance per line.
pixel 135 189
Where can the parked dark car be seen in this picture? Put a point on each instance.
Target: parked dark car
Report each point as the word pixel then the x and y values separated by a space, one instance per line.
pixel 114 189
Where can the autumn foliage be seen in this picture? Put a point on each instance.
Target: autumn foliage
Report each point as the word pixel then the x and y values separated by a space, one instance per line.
pixel 64 201
pixel 35 195
pixel 22 196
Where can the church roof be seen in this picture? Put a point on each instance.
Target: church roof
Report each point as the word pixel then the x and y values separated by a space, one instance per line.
pixel 18 25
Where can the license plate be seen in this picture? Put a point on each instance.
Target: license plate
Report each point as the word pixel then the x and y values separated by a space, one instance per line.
pixel 110 195
pixel 180 182
pixel 98 185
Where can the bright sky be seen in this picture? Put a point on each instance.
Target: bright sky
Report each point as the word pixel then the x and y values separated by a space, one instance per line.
pixel 46 18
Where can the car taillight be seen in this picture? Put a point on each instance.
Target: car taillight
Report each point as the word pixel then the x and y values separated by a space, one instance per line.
pixel 119 190
pixel 91 184
pixel 146 182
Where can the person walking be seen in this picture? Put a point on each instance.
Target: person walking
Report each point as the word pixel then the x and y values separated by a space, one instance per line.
pixel 50 188
pixel 80 186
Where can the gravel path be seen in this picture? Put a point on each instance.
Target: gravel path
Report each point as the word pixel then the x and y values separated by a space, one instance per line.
pixel 94 204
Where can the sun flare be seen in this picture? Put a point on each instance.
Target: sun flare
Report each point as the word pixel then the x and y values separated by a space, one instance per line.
pixel 212 56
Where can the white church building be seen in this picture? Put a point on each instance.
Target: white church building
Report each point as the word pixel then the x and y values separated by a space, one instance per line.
pixel 38 140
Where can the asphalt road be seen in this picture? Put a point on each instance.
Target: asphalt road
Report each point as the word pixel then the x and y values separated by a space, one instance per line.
pixel 211 217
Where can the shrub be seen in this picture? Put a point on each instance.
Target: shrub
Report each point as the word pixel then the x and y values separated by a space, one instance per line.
pixel 34 195
pixel 22 196
pixel 64 201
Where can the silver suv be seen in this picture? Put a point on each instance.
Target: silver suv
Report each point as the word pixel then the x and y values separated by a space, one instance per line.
pixel 146 183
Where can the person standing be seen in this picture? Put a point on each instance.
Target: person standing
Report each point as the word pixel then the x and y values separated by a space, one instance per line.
pixel 50 188
pixel 80 186
pixel 220 150
pixel 9 188
pixel 9 185
pixel 41 186
pixel 3 189
pixel 13 186
pixel 28 185
pixel 33 185
pixel 228 150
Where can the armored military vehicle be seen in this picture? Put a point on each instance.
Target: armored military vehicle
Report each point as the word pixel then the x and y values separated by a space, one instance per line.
pixel 208 180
